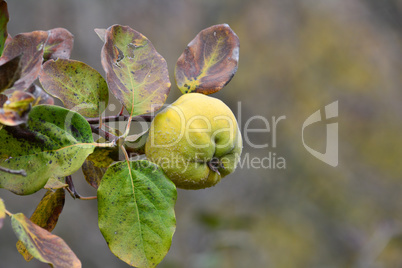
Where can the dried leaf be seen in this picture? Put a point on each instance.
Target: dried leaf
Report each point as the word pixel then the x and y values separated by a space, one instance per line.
pixel 209 62
pixel 59 44
pixel 135 72
pixel 41 97
pixel 43 245
pixel 45 215
pixel 93 174
pixel 3 99
pixel 14 111
pixel 30 45
pixel 10 72
pixel 12 118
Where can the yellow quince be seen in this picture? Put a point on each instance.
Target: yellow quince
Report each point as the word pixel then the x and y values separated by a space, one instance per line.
pixel 195 140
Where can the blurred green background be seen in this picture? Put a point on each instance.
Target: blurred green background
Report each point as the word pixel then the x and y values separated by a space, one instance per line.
pixel 295 58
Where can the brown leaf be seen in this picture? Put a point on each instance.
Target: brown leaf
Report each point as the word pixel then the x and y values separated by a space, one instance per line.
pixel 209 62
pixel 59 44
pixel 45 215
pixel 41 97
pixel 12 118
pixel 93 174
pixel 10 72
pixel 3 99
pixel 43 245
pixel 31 46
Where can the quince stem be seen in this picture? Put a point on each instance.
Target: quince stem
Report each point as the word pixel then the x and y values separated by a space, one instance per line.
pixel 73 192
pixel 214 164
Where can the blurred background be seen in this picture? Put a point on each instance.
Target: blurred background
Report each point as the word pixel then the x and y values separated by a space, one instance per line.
pixel 295 58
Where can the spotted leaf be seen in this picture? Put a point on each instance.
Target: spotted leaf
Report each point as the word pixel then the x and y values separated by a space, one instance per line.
pixel 209 62
pixel 54 143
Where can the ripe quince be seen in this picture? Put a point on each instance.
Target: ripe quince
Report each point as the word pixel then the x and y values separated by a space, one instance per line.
pixel 196 141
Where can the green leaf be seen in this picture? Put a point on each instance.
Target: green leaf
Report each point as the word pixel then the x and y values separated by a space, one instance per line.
pixel 4 17
pixel 30 46
pixel 136 212
pixel 80 87
pixel 135 72
pixel 58 45
pixel 45 215
pixel 209 62
pixel 43 245
pixel 2 212
pixel 55 143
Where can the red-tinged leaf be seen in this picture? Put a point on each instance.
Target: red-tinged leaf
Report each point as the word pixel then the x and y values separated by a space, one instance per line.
pixel 12 118
pixel 135 72
pixel 19 101
pixel 3 99
pixel 4 18
pixel 79 86
pixel 8 40
pixel 10 72
pixel 2 212
pixel 59 44
pixel 30 45
pixel 101 33
pixel 209 62
pixel 14 110
pixel 41 97
pixel 45 215
pixel 43 245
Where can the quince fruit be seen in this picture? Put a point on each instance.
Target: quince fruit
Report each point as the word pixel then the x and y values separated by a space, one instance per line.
pixel 195 140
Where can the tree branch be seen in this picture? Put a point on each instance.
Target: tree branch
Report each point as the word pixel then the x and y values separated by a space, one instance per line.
pixel 103 133
pixel 114 118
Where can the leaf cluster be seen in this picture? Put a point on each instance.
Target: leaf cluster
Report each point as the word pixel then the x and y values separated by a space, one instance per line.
pixel 42 144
